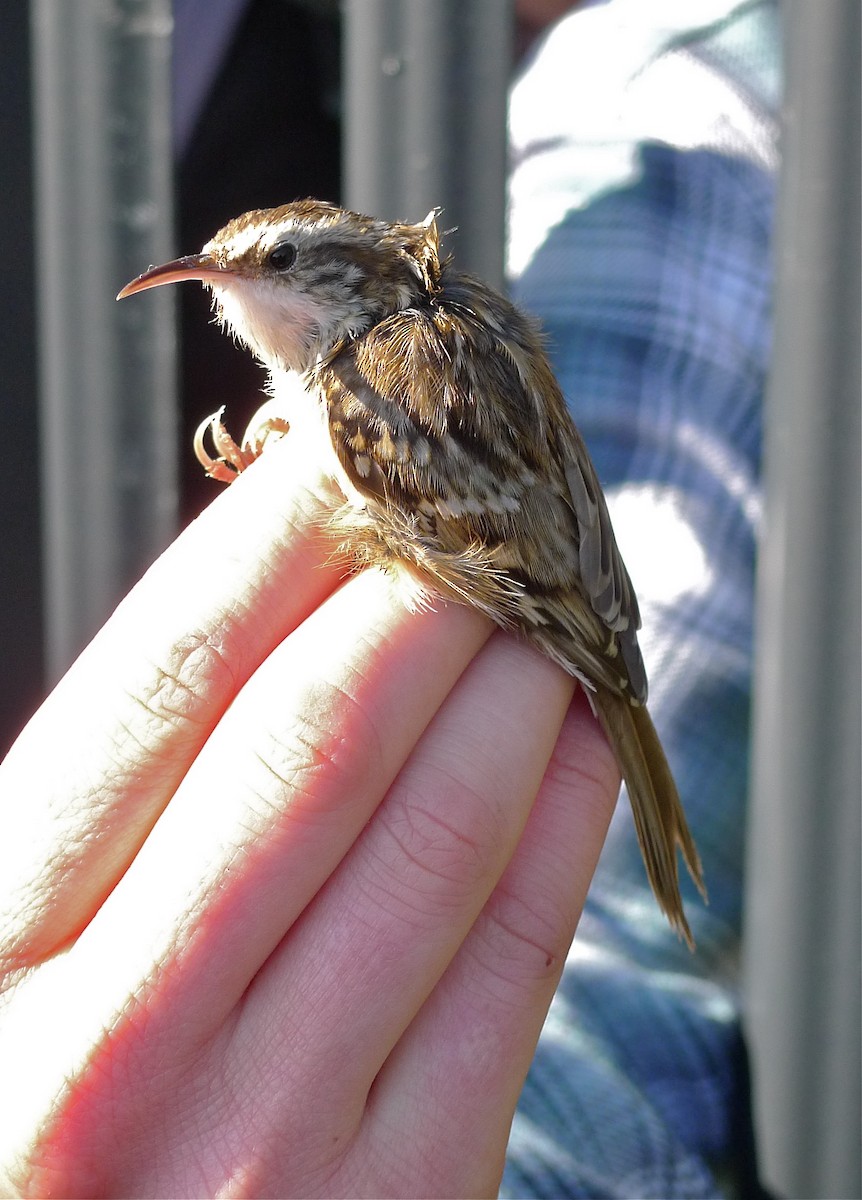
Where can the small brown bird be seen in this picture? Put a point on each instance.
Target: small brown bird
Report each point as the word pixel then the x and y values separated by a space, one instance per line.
pixel 455 453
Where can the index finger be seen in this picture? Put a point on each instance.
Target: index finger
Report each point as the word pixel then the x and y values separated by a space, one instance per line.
pixel 92 771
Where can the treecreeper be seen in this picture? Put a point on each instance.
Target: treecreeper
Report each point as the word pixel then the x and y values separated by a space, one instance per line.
pixel 441 421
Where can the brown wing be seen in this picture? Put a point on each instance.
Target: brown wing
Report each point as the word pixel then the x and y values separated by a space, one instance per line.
pixel 603 573
pixel 449 422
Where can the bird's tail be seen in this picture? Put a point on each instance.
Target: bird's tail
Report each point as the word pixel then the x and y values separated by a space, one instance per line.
pixel 659 818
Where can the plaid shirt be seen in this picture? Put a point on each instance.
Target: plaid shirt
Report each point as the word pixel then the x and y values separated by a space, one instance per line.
pixel 644 161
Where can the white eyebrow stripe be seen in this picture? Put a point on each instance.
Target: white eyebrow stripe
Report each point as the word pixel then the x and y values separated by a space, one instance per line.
pixel 240 242
pixel 270 235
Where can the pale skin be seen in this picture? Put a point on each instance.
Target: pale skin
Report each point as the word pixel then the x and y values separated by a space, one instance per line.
pixel 288 875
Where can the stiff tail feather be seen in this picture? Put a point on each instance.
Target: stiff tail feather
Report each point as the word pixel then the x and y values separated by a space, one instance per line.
pixel 659 818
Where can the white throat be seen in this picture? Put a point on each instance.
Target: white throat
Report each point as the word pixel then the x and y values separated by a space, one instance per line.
pixel 286 330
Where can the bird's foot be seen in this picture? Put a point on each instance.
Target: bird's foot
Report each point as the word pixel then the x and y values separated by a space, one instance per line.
pixel 232 459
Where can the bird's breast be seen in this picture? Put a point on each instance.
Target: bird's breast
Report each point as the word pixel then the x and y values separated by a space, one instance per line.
pixel 299 400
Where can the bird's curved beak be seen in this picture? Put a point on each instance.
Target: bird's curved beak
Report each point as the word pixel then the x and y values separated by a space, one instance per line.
pixel 202 267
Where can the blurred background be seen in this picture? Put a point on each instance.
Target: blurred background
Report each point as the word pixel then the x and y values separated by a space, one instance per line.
pixel 131 130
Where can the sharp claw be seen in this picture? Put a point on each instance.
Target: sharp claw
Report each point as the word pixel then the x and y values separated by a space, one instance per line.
pixel 227 448
pixel 231 460
pixel 259 430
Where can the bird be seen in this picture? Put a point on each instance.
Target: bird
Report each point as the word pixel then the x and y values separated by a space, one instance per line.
pixel 437 413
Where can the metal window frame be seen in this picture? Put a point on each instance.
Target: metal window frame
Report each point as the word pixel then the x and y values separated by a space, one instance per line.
pixel 802 931
pixel 103 186
pixel 425 91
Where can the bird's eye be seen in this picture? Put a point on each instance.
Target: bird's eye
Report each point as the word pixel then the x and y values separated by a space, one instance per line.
pixel 283 256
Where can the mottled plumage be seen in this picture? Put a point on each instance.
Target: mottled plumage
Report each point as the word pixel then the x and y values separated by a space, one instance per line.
pixel 455 451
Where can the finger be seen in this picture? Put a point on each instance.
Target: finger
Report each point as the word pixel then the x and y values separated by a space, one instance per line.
pixel 277 796
pixel 368 952
pixel 96 765
pixel 282 789
pixel 463 1061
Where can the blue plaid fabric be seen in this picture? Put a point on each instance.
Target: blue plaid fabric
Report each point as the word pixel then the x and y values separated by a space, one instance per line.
pixel 644 160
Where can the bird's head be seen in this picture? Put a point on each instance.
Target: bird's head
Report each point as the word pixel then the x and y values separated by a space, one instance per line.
pixel 292 282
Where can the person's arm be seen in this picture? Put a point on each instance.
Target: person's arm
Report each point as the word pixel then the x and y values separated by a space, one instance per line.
pixel 288 876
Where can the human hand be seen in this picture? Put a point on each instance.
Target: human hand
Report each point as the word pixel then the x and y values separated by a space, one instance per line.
pixel 279 913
